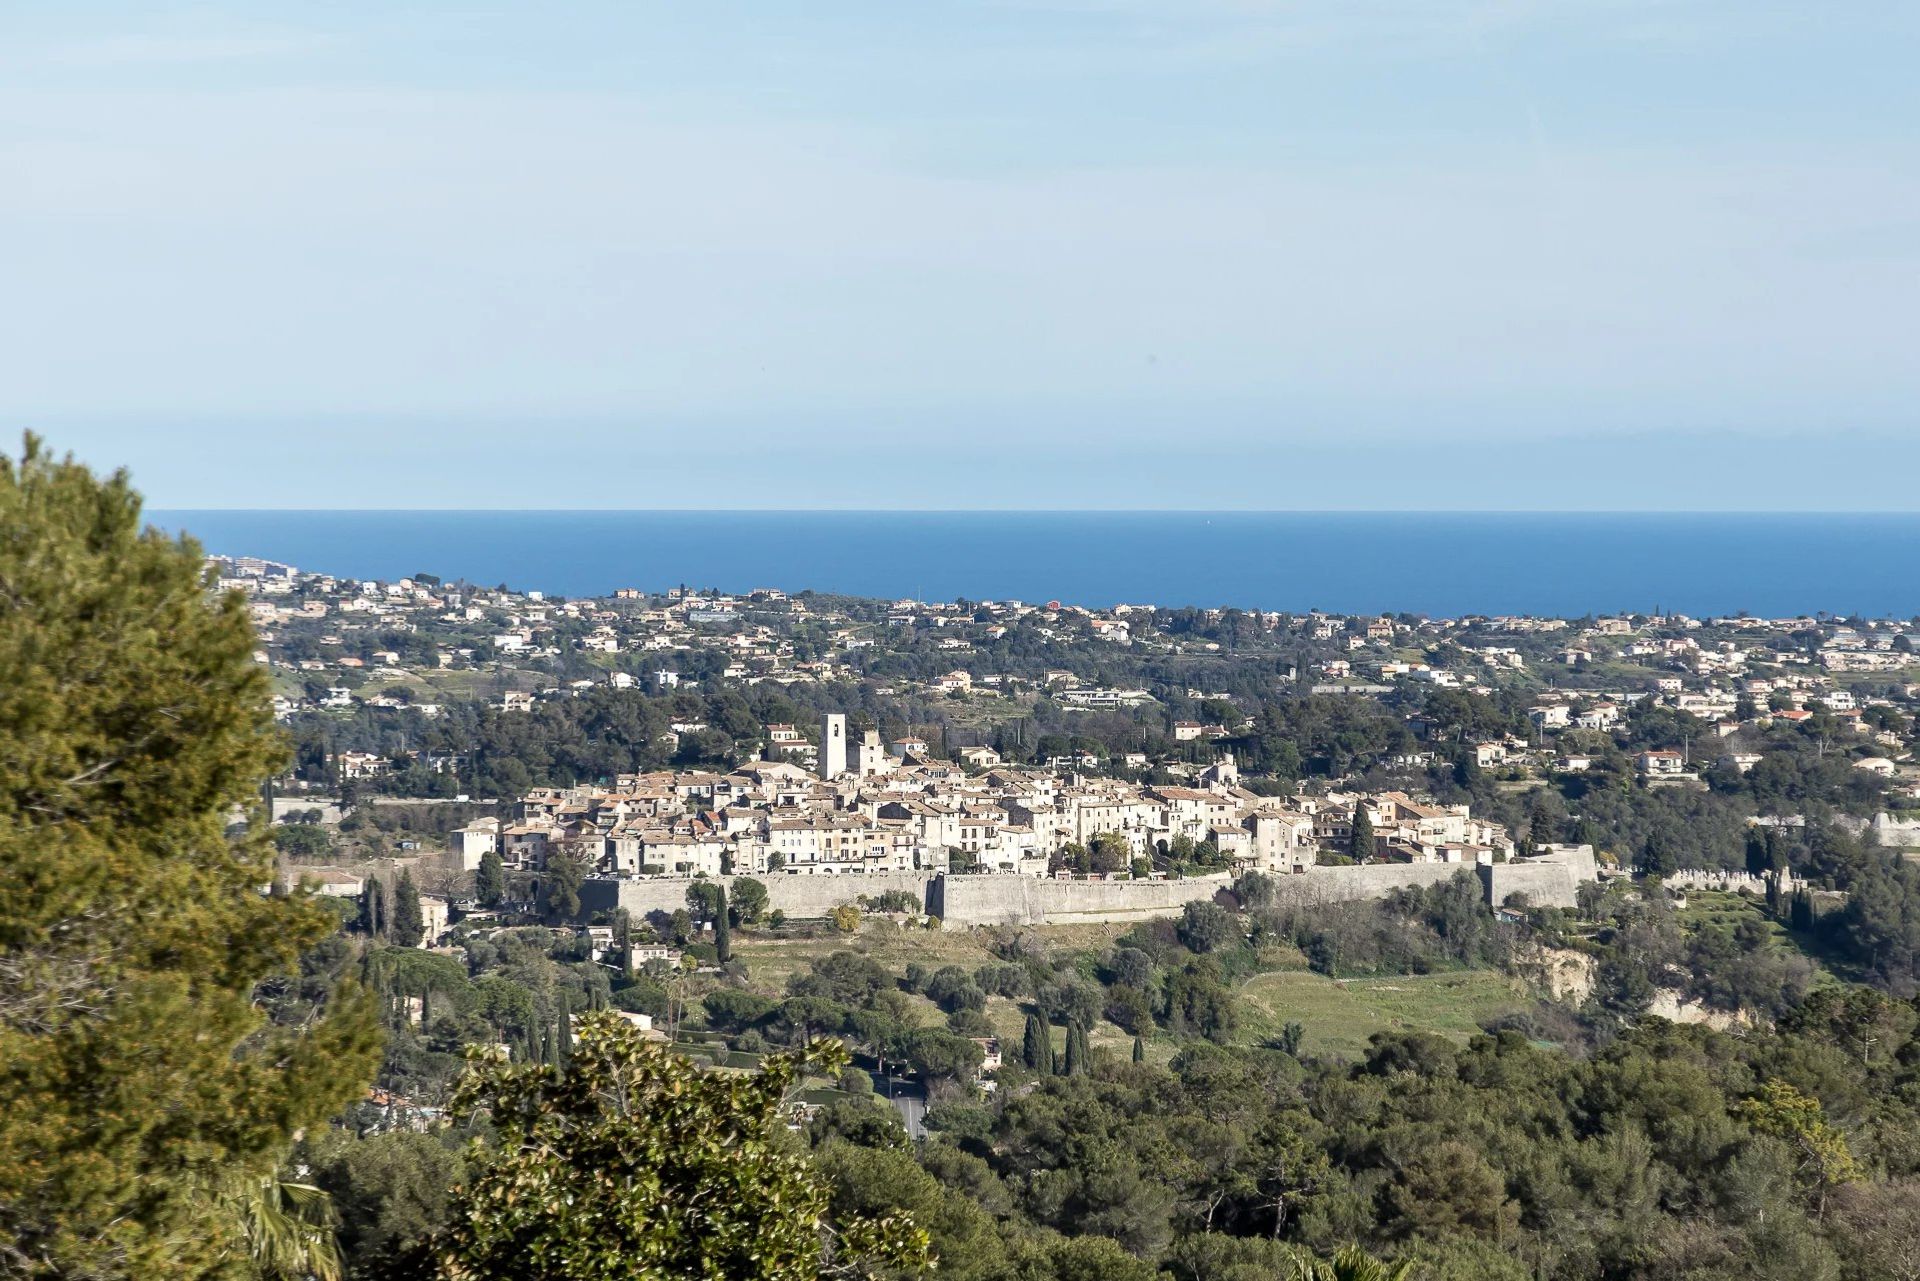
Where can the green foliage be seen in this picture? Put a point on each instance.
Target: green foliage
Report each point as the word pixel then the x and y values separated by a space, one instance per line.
pixel 560 887
pixel 632 1163
pixel 392 1192
pixel 1078 1058
pixel 1782 1110
pixel 1036 1047
pixel 409 926
pixel 1350 1263
pixel 490 880
pixel 722 927
pixel 749 900
pixel 289 1228
pixel 1360 843
pixel 1207 927
pixel 1108 853
pixel 935 1054
pixel 302 841
pixel 137 1068
pixel 376 919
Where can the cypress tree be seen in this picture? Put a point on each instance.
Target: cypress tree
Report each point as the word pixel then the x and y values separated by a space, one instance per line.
pixel 1360 844
pixel 1075 1063
pixel 426 1008
pixel 490 880
pixel 623 943
pixel 722 932
pixel 409 927
pixel 1139 1050
pixel 1036 1049
pixel 1801 912
pixel 373 909
pixel 564 1041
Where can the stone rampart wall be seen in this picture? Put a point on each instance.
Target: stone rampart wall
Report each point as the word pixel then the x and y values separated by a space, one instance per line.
pixel 965 900
pixel 797 895
pixel 1029 900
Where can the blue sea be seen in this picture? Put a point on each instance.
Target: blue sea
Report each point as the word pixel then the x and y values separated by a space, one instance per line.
pixel 1441 564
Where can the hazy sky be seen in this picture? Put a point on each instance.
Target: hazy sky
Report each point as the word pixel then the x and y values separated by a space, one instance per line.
pixel 1042 253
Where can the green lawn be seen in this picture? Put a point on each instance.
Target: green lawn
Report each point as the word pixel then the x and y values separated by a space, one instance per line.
pixel 1339 1015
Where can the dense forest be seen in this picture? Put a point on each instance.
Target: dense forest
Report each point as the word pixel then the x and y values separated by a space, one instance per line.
pixel 1569 1139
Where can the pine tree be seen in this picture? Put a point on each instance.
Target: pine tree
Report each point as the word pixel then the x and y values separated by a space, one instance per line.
pixel 136 1065
pixel 409 928
pixel 490 880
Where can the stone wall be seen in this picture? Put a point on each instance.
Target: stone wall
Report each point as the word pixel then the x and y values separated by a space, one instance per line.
pixel 1541 884
pixel 1353 884
pixel 1896 833
pixel 1732 882
pixel 1029 900
pixel 797 895
pixel 1551 880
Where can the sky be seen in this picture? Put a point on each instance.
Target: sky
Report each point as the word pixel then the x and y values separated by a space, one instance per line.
pixel 1254 254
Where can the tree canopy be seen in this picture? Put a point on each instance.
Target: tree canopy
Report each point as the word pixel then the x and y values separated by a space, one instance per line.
pixel 137 1072
pixel 631 1162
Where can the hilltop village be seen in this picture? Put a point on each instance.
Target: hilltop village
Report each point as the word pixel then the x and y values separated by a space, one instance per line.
pixel 898 811
pixel 702 734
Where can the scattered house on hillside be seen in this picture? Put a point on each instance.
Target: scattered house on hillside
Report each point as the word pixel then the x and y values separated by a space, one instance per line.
pixel 1662 764
pixel 1550 715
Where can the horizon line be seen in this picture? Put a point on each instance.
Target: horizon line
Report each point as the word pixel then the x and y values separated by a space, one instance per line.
pixel 1035 511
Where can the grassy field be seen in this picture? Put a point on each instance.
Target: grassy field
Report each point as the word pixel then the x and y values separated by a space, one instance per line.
pixel 1339 1015
pixel 1719 907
